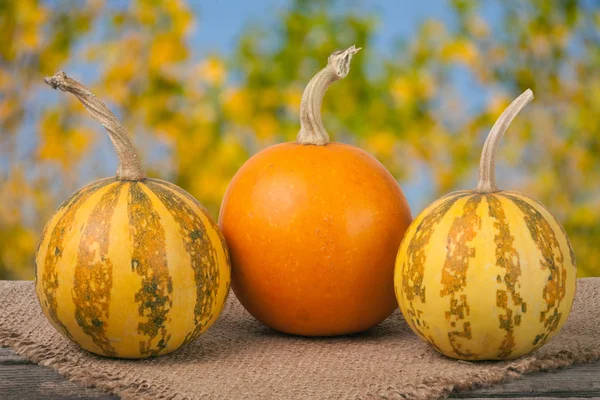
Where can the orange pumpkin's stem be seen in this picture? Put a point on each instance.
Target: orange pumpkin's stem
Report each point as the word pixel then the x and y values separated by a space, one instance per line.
pixel 312 130
pixel 130 168
pixel 487 168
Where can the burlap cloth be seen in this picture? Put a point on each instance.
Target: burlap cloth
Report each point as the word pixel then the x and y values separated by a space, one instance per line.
pixel 240 358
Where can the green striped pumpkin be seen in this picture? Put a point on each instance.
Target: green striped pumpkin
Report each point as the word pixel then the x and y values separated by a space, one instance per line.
pixel 486 274
pixel 129 266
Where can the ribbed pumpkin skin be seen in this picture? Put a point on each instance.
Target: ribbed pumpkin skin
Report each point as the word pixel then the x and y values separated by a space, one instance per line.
pixel 132 269
pixel 485 276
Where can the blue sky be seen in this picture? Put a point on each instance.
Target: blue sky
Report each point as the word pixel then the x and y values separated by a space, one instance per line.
pixel 222 21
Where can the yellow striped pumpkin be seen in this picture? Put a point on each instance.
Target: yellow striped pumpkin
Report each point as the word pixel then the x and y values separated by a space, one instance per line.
pixel 129 266
pixel 486 274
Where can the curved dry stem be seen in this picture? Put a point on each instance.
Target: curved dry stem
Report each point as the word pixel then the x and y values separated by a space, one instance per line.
pixel 129 168
pixel 312 130
pixel 487 165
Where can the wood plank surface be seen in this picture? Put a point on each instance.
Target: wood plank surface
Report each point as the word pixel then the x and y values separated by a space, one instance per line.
pixel 23 380
pixel 578 381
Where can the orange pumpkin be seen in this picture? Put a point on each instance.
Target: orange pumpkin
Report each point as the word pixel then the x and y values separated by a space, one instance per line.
pixel 313 228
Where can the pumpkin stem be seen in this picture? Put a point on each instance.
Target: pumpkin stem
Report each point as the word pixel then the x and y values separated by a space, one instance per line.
pixel 312 130
pixel 487 169
pixel 129 168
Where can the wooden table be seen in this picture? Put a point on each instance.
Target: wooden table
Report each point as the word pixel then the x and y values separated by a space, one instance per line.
pixel 22 380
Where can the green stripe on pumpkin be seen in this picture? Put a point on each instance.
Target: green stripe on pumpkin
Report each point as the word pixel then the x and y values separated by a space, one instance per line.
pixel 536 204
pixel 507 257
pixel 203 254
pixel 50 281
pixel 149 260
pixel 413 270
pixel 454 272
pixel 213 224
pixel 74 197
pixel 552 259
pixel 94 272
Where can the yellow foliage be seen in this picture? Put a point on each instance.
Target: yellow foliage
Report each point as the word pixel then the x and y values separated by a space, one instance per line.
pixel 23 243
pixel 382 143
pixel 12 192
pixel 5 79
pixel 61 144
pixel 212 71
pixel 407 88
pixel 265 125
pixel 120 73
pixel 163 51
pixel 212 177
pixel 293 98
pixel 30 18
pixel 238 105
pixel 181 17
pixel 269 98
pixel 401 89
pixel 7 107
pixel 197 118
pixel 145 13
pixel 461 51
pixel 497 104
pixel 425 86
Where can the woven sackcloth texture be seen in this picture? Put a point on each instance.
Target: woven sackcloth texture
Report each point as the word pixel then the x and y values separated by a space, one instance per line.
pixel 238 358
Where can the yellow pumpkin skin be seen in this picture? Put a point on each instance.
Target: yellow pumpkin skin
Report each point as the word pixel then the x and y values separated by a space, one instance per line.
pixel 485 276
pixel 132 269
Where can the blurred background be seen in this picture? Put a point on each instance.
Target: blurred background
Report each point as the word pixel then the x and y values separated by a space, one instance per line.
pixel 203 85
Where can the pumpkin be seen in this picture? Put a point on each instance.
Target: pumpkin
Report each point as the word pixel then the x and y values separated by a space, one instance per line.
pixel 129 266
pixel 486 274
pixel 313 228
